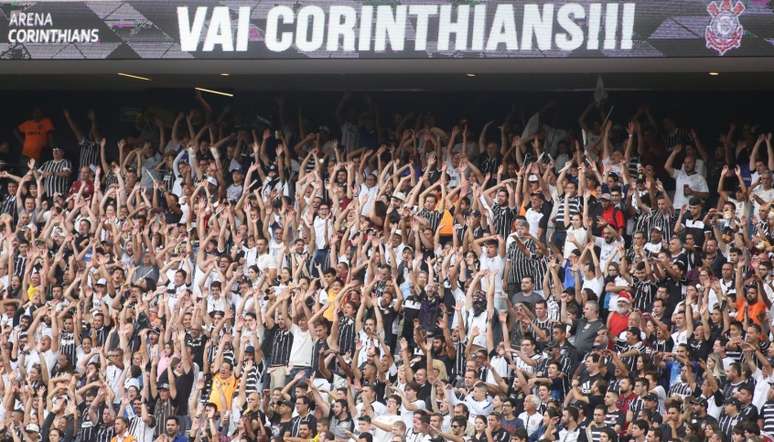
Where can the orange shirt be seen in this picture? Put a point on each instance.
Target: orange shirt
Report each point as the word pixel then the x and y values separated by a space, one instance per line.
pixel 126 437
pixel 754 310
pixel 35 136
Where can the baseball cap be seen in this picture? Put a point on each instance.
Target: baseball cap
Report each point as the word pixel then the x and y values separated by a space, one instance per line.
pixel 400 196
pixel 533 178
pixel 605 196
pixel 163 386
pixel 102 281
pixel 650 397
pixel 249 349
pixel 132 382
pixel 732 401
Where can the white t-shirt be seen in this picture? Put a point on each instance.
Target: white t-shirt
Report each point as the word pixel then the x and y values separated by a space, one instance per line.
pixel 301 350
pixel 533 219
pixel 695 181
pixel 607 251
pixel 379 434
pixel 320 238
pixel 580 235
pixel 531 423
pixel 495 265
pixel 265 262
pixel 595 284
pixel 480 322
pixel 408 416
pixel 367 197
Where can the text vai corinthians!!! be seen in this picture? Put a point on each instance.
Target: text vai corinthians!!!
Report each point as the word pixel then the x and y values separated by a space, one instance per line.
pixel 483 27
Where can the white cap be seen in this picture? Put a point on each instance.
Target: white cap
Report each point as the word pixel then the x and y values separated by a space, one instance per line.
pixel 102 281
pixel 132 382
pixel 399 196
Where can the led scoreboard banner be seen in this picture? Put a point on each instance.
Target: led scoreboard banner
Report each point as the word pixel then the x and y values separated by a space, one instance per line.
pixel 351 29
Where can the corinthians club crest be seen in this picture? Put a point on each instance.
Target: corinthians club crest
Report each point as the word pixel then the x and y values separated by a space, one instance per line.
pixel 724 31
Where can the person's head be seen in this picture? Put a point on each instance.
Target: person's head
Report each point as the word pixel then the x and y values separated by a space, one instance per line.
pixel 340 408
pixel 120 425
pixel 640 428
pixel 689 163
pixel 494 421
pixel 55 434
pixel 458 425
pixel 479 423
pixel 744 394
pixel 527 284
pixel 479 391
pixel 551 415
pixel 502 197
pixel 421 421
pixel 570 188
pixel 531 404
pixel 733 372
pixel 599 415
pixel 172 426
pixel 430 202
pixel 591 310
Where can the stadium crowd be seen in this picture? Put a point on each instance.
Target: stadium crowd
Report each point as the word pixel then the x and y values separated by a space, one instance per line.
pixel 390 279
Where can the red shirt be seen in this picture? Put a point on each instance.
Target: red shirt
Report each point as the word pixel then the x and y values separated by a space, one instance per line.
pixel 614 217
pixel 618 323
pixel 77 186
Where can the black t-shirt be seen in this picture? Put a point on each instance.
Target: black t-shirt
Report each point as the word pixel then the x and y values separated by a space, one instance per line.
pixel 424 392
pixel 587 381
pixel 279 427
pixel 184 386
pixel 196 347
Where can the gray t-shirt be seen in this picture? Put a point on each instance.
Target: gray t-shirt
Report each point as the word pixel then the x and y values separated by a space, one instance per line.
pixel 528 299
pixel 585 334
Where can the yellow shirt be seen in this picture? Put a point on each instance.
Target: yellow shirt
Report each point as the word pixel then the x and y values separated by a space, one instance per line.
pixel 222 392
pixel 331 301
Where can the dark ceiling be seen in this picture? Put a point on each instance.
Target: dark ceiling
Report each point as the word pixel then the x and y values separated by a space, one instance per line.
pixel 394 75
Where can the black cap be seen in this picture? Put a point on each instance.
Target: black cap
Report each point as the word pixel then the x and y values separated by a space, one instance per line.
pixel 733 401
pixel 249 349
pixel 650 397
pixel 163 386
